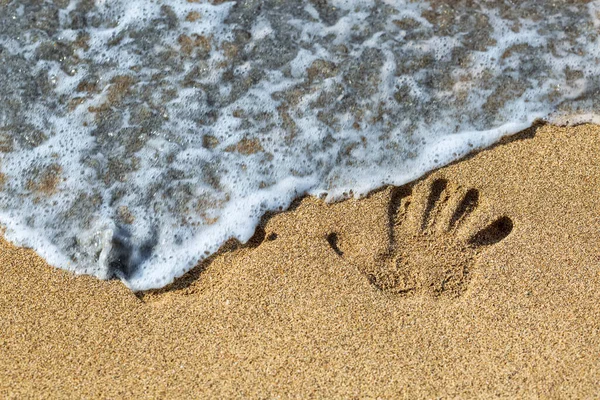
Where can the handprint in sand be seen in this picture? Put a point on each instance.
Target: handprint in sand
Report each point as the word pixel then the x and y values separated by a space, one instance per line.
pixel 436 232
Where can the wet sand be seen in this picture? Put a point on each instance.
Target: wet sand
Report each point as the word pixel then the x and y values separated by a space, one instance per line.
pixel 481 279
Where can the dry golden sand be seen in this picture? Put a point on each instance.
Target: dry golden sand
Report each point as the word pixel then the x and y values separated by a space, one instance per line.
pixel 397 295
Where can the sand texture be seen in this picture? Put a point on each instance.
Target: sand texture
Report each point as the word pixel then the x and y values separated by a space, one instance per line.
pixel 480 280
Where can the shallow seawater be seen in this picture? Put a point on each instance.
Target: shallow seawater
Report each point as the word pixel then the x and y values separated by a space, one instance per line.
pixel 136 137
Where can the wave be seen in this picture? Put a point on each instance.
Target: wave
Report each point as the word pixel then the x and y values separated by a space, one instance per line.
pixel 137 137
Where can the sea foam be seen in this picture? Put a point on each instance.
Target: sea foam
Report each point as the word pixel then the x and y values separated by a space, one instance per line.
pixel 138 136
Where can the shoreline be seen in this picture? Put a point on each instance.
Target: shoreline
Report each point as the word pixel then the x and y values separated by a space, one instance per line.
pixel 259 235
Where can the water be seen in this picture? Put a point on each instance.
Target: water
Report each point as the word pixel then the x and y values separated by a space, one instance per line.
pixel 138 136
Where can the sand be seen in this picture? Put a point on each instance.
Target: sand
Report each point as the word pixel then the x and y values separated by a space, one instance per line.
pixel 481 279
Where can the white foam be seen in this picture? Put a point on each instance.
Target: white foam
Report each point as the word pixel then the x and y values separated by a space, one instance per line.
pixel 219 121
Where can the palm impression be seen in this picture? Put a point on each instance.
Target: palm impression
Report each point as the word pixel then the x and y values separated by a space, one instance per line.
pixel 435 236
